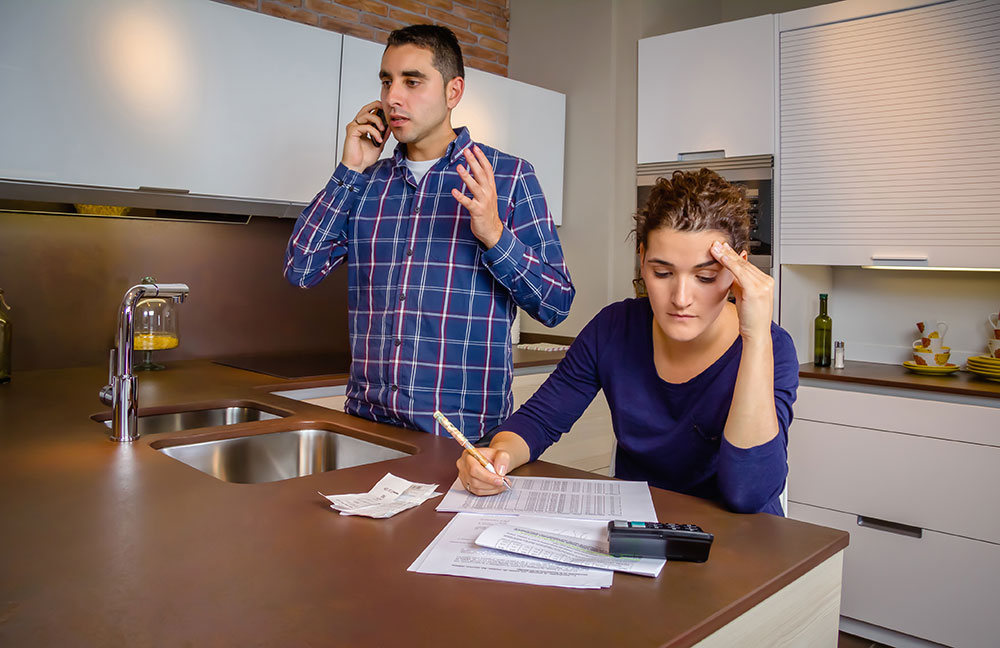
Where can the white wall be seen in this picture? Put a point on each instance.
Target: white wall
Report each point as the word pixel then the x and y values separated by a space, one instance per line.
pixel 570 46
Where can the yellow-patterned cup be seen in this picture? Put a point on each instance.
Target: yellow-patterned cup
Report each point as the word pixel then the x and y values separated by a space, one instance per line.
pixel 994 347
pixel 932 358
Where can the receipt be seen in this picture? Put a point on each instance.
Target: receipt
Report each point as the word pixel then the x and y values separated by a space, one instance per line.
pixel 391 495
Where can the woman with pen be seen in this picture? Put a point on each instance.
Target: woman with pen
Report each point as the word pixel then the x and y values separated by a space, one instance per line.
pixel 700 389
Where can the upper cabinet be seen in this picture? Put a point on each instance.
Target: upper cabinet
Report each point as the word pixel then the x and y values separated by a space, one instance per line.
pixel 187 95
pixel 707 89
pixel 890 136
pixel 499 112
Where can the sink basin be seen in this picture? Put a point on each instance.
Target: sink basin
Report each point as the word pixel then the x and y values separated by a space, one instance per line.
pixel 279 455
pixel 187 420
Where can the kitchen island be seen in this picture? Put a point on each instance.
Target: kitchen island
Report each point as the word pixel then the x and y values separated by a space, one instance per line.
pixel 111 544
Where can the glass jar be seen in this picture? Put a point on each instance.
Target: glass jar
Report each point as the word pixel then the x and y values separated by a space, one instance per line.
pixel 155 328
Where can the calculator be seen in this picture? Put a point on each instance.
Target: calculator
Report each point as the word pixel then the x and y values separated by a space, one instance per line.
pixel 659 540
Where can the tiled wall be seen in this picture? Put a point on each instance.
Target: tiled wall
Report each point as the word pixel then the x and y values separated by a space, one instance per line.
pixel 480 25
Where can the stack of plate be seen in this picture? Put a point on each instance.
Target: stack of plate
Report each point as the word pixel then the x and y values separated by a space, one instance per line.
pixel 985 366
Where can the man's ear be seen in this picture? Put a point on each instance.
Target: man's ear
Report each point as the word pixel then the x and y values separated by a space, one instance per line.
pixel 744 254
pixel 453 92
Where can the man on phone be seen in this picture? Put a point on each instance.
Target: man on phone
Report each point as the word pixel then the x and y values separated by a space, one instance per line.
pixel 443 241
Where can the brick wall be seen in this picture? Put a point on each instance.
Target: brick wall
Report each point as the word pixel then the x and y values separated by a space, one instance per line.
pixel 481 25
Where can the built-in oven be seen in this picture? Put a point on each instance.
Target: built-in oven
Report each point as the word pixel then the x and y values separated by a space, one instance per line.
pixel 755 172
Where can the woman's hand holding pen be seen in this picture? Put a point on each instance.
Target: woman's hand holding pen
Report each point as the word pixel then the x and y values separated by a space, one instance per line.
pixel 359 152
pixel 754 292
pixel 477 479
pixel 482 205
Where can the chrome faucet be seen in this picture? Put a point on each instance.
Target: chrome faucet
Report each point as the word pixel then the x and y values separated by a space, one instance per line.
pixel 121 392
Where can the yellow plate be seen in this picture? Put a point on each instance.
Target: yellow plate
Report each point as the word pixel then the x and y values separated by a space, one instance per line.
pixel 949 368
pixel 983 365
pixel 985 361
pixel 986 373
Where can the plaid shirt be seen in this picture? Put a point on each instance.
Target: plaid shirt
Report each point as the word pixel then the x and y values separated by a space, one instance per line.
pixel 430 310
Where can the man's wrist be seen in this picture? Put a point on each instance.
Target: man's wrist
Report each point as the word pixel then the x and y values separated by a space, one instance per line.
pixel 493 237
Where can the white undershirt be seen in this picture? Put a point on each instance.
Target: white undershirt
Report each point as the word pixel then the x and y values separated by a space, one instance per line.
pixel 420 168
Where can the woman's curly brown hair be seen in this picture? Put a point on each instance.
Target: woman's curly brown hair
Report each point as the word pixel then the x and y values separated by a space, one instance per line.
pixel 695 201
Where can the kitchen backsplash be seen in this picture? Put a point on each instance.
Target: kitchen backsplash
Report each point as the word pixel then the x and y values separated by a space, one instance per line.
pixel 876 311
pixel 66 275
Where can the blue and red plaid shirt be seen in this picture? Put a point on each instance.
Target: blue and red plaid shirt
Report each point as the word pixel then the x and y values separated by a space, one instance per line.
pixel 430 310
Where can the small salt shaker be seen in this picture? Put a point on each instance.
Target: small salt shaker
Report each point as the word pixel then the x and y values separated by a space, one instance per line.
pixel 838 354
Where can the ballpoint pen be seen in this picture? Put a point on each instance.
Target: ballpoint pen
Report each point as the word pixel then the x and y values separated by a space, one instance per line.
pixel 458 436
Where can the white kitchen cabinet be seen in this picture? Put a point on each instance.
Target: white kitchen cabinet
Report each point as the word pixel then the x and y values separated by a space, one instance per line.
pixel 887 469
pixel 707 89
pixel 188 95
pixel 500 112
pixel 590 442
pixel 890 136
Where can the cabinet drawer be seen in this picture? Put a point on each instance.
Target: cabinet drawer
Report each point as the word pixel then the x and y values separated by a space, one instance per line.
pixel 937 587
pixel 957 421
pixel 930 483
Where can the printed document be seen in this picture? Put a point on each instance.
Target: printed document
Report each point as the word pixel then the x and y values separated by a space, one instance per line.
pixel 594 499
pixel 454 553
pixel 541 543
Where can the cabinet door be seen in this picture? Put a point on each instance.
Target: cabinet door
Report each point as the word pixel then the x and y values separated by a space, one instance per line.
pixel 500 112
pixel 889 139
pixel 181 94
pixel 938 587
pixel 707 89
pixel 588 445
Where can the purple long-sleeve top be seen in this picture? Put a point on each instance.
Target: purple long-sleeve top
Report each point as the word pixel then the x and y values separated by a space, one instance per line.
pixel 669 434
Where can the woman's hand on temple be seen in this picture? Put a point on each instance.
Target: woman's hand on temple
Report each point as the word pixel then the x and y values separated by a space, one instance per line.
pixel 479 481
pixel 753 289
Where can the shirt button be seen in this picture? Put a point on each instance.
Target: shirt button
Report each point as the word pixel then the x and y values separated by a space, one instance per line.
pixel 397 341
pixel 416 212
pixel 394 388
pixel 409 252
pixel 402 296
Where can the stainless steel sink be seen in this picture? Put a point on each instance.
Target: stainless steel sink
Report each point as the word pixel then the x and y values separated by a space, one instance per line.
pixel 279 455
pixel 177 421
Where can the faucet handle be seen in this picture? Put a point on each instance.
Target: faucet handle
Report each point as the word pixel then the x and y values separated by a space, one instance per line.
pixel 107 393
pixel 112 357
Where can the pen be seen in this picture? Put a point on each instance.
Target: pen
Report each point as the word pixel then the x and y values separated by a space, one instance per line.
pixel 453 431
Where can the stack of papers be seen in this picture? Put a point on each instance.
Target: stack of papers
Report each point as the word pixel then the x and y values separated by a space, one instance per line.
pixel 543 532
pixel 391 495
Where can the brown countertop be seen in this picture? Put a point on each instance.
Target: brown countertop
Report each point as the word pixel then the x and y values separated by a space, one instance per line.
pixel 889 375
pixel 111 544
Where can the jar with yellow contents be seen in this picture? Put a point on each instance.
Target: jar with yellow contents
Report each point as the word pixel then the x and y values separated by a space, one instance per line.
pixel 156 328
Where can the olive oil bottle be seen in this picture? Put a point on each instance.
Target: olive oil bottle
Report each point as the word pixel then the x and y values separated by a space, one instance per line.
pixel 823 338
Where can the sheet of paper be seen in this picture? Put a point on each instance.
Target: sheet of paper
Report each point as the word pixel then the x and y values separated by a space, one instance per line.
pixel 596 499
pixel 391 495
pixel 567 549
pixel 454 553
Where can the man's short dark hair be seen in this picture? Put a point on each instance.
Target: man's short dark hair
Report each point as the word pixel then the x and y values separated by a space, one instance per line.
pixel 442 43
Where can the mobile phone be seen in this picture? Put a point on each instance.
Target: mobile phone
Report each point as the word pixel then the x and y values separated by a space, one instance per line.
pixel 383 129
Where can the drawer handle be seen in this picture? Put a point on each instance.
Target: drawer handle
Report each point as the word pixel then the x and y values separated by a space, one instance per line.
pixel 890 527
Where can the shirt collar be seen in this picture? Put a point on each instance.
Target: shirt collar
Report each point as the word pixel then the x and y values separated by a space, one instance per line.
pixel 454 151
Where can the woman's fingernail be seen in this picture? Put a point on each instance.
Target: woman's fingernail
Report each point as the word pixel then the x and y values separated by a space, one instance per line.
pixel 716 247
pixel 502 469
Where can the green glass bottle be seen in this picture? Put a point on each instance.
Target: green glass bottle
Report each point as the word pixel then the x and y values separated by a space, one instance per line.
pixel 823 328
pixel 5 331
